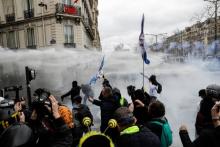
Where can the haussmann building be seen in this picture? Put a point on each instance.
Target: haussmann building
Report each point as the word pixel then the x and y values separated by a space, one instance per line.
pixel 44 23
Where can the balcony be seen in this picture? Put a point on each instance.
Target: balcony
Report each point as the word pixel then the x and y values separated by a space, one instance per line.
pixel 70 10
pixel 31 46
pixel 70 45
pixel 88 23
pixel 10 17
pixel 28 13
pixel 88 26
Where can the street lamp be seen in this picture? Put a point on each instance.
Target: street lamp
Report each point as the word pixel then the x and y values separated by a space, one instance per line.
pixel 156 36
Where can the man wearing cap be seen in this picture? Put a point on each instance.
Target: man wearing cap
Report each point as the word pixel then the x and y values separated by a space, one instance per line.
pixel 132 135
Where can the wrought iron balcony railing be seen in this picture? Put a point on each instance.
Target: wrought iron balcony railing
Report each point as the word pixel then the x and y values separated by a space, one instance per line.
pixel 88 23
pixel 68 9
pixel 28 13
pixel 70 45
pixel 10 17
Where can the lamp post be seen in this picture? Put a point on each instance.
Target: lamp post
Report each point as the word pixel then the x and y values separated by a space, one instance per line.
pixel 181 43
pixel 156 36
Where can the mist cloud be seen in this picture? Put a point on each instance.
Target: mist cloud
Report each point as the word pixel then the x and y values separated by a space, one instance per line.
pixel 122 17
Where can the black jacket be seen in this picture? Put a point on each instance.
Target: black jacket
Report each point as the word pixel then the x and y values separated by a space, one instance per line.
pixel 108 107
pixel 143 138
pixel 204 118
pixel 75 91
pixel 207 138
pixel 57 135
pixel 141 114
pixel 79 112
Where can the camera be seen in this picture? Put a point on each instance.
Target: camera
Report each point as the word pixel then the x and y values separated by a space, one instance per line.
pixel 40 101
pixel 42 96
pixel 213 91
pixel 13 88
pixel 30 74
pixel 131 90
pixel 4 103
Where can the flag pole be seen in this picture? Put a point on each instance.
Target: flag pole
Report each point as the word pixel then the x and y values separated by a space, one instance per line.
pixel 143 74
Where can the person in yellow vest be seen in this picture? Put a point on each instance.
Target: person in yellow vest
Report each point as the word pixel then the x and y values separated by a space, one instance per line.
pixel 132 135
pixel 122 101
pixel 8 116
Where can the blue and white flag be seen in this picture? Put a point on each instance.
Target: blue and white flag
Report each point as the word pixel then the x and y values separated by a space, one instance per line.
pixel 93 80
pixel 142 43
pixel 99 74
pixel 102 63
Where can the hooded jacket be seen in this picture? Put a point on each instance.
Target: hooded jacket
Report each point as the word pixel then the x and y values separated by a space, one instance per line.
pixel 143 137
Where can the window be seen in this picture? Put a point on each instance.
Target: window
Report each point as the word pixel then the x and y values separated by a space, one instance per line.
pixel 68 32
pixel 28 10
pixel 11 40
pixel 67 2
pixel 9 7
pixel 28 4
pixel 30 38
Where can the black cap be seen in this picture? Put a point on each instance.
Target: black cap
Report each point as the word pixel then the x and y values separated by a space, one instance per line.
pixel 139 94
pixel 74 83
pixel 78 97
pixel 152 78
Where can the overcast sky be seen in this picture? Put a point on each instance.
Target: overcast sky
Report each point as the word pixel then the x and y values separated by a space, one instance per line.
pixel 120 20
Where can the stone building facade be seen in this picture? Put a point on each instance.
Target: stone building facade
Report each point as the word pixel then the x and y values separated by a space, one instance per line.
pixel 44 23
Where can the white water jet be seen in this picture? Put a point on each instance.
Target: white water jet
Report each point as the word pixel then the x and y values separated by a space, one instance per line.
pixel 57 68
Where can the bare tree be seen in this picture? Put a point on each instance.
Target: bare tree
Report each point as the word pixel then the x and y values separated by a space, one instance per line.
pixel 207 12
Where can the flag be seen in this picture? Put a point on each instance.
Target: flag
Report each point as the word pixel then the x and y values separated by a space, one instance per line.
pixel 99 74
pixel 93 80
pixel 102 63
pixel 142 43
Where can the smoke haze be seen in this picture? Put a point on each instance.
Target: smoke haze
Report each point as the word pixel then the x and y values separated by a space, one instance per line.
pixel 57 68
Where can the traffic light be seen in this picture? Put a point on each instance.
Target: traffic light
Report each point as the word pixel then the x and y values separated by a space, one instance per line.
pixel 30 74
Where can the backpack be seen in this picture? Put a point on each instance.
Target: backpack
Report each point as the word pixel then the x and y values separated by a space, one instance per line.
pixel 166 138
pixel 80 113
pixel 159 89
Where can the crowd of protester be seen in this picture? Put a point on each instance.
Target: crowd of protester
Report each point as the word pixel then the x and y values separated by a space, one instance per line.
pixel 141 123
